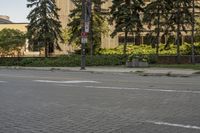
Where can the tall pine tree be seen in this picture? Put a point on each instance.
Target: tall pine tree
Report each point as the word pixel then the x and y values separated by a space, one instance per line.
pixel 44 28
pixel 155 15
pixel 180 19
pixel 126 15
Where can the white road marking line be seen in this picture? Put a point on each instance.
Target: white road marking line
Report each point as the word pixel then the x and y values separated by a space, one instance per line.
pixel 174 125
pixel 3 81
pixel 65 82
pixel 156 90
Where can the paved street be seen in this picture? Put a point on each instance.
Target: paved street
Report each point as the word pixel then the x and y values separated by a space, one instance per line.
pixel 39 101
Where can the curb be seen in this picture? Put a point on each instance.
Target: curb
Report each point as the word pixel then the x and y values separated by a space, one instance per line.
pixel 136 71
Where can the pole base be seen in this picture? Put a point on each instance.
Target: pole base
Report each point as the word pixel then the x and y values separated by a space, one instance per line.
pixel 82 68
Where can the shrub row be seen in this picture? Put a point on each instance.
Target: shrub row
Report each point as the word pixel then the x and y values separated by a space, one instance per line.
pixel 185 49
pixel 64 61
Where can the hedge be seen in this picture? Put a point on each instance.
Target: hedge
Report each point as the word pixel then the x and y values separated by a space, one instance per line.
pixel 185 49
pixel 64 61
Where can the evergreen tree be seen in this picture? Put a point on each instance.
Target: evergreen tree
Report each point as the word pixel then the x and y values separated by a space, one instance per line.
pixel 44 27
pixel 173 16
pixel 98 27
pixel 180 19
pixel 155 15
pixel 126 15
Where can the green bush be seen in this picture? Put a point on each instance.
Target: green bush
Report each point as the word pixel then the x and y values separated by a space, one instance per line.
pixel 185 49
pixel 64 61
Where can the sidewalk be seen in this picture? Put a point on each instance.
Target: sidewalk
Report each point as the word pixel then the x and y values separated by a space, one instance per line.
pixel 141 71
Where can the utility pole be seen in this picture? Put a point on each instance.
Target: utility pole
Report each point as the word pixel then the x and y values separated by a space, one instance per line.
pixel 85 22
pixel 83 38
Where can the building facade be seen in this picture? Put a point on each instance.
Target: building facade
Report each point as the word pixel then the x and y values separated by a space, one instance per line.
pixel 6 23
pixel 66 5
pixel 106 41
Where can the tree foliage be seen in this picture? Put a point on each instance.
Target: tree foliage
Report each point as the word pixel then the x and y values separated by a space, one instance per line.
pixel 11 40
pixel 176 18
pixel 155 16
pixel 44 28
pixel 180 19
pixel 126 16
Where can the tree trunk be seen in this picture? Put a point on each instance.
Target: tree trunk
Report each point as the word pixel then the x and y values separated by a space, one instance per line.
pixel 46 49
pixel 138 38
pixel 158 33
pixel 125 42
pixel 178 36
pixel 91 37
pixel 193 26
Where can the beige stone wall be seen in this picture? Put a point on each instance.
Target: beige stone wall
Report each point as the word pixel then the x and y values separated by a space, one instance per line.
pixel 107 41
pixel 65 7
pixel 16 26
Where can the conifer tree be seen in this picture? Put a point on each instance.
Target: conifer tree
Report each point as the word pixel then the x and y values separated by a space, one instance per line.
pixel 126 15
pixel 180 19
pixel 155 15
pixel 44 27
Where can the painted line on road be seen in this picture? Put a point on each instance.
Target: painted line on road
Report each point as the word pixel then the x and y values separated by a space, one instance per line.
pixel 66 82
pixel 173 124
pixel 3 81
pixel 156 90
pixel 140 89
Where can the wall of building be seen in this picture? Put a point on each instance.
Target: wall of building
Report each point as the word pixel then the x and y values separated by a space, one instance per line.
pixel 5 17
pixel 65 7
pixel 17 26
pixel 106 40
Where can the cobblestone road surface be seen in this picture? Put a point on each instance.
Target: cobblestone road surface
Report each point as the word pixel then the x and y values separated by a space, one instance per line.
pixel 40 102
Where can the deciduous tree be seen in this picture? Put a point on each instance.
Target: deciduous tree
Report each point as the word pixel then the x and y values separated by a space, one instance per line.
pixel 11 40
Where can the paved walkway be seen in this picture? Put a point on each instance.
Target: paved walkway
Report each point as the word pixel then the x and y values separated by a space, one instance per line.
pixel 143 71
